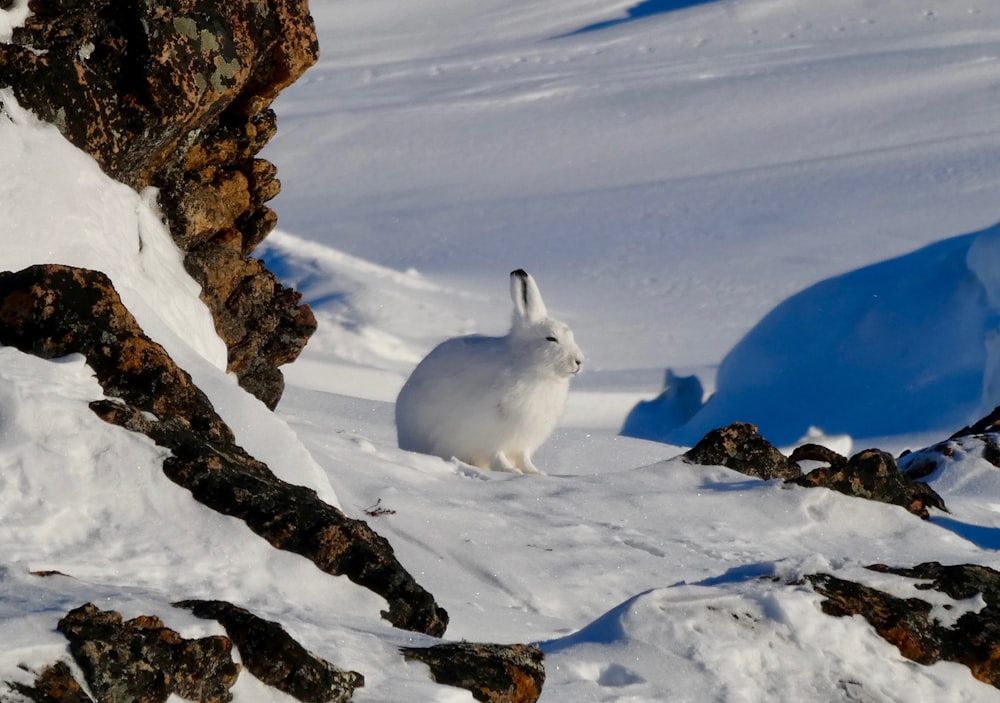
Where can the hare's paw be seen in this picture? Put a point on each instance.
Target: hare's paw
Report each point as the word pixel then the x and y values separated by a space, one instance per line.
pixel 500 462
pixel 522 462
pixel 516 462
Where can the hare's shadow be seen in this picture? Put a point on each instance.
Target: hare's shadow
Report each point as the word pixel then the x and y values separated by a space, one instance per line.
pixel 646 8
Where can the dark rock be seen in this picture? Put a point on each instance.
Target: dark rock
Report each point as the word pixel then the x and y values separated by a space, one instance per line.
pixel 494 673
pixel 925 462
pixel 54 685
pixel 270 654
pixel 142 660
pixel 176 95
pixel 740 447
pixel 986 425
pixel 54 310
pixel 982 438
pixel 293 518
pixel 910 624
pixel 871 474
pixel 817 452
pixel 262 333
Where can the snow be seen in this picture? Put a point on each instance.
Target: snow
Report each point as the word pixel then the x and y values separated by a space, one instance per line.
pixel 790 204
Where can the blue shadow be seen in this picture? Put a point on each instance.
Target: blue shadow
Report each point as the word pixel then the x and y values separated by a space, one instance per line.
pixel 740 574
pixel 897 347
pixel 982 537
pixel 646 8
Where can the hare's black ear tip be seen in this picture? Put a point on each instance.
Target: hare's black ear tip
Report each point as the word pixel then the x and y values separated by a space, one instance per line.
pixel 520 273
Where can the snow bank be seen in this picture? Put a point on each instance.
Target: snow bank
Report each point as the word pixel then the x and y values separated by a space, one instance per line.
pixel 62 209
pixel 904 346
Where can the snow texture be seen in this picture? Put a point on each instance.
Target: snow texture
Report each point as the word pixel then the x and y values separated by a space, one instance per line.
pixel 791 201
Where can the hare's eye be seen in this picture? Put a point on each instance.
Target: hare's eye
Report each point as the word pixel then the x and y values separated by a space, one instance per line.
pixel 552 339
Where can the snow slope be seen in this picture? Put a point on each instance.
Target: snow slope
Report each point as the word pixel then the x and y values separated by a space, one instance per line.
pixel 669 176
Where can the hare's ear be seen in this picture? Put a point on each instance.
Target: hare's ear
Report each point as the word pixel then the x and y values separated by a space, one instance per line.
pixel 528 305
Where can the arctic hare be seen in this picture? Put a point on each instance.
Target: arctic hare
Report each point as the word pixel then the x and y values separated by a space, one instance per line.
pixel 492 401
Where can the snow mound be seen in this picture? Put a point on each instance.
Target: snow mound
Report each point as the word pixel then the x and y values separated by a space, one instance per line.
pixel 906 345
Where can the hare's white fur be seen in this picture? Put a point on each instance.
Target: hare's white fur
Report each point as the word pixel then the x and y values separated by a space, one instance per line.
pixel 492 401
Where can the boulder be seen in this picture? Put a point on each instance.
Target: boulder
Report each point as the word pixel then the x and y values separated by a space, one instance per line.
pixel 741 447
pixel 142 660
pixel 493 673
pixel 274 657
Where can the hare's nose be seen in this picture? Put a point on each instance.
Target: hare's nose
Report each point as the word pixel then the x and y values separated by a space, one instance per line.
pixel 579 362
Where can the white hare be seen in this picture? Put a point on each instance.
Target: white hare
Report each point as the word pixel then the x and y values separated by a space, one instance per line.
pixel 492 401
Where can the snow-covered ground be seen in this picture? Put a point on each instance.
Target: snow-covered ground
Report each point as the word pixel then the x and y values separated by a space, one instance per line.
pixel 672 173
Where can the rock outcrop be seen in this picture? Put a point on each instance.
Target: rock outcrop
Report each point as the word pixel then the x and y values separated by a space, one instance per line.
pixel 920 632
pixel 741 447
pixel 176 95
pixel 54 310
pixel 271 655
pixel 493 673
pixel 871 474
pixel 143 660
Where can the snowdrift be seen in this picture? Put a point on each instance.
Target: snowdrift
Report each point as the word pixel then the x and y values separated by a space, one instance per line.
pixel 903 346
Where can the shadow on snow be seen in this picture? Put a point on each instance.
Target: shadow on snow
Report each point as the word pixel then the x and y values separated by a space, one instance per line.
pixel 646 8
pixel 908 345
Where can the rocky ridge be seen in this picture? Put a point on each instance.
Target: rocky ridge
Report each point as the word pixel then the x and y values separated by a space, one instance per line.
pixel 176 96
pixel 52 310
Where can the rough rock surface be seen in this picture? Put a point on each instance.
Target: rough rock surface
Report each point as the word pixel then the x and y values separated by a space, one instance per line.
pixel 142 660
pixel 53 310
pixel 871 474
pixel 741 447
pixel 985 425
pixel 270 654
pixel 54 685
pixel 981 438
pixel 912 624
pixel 175 94
pixel 494 673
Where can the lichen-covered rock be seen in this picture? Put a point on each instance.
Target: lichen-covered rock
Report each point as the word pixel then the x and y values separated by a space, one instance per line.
pixel 741 447
pixel 871 474
pixel 493 673
pixel 175 94
pixel 53 310
pixel 54 685
pixel 274 657
pixel 913 626
pixel 142 660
